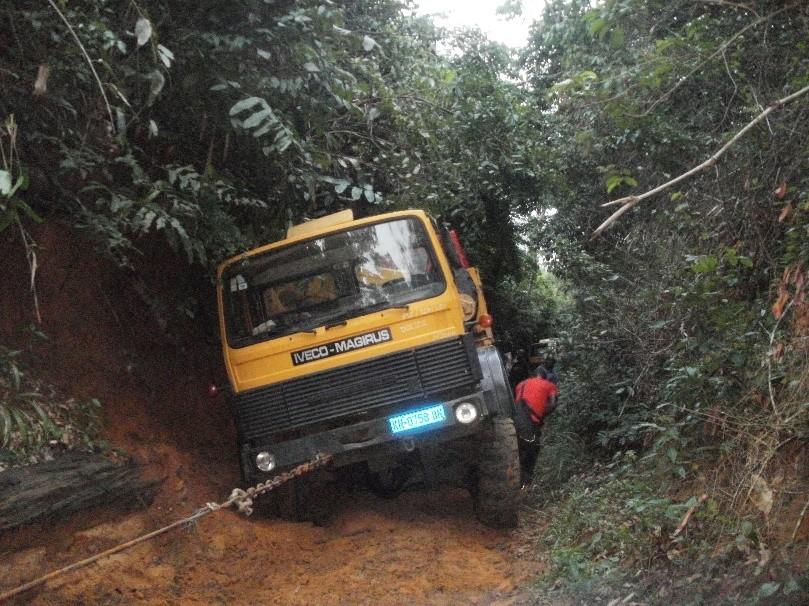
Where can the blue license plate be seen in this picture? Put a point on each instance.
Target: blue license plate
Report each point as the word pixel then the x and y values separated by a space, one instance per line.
pixel 424 417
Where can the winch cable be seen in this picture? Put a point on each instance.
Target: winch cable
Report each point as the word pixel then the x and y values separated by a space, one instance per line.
pixel 241 499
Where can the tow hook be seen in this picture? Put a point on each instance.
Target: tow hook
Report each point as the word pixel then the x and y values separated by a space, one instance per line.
pixel 409 444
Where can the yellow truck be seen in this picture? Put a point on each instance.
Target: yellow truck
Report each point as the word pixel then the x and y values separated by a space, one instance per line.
pixel 368 340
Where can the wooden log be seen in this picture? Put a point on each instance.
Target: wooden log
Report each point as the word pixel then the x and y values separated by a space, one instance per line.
pixel 69 483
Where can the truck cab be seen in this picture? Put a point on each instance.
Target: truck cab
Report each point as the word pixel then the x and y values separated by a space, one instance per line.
pixel 366 340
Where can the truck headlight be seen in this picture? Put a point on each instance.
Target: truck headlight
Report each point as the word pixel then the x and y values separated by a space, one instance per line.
pixel 466 413
pixel 265 461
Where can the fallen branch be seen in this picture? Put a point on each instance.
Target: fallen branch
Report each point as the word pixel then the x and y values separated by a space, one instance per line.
pixel 688 515
pixel 70 483
pixel 629 202
pixel 799 523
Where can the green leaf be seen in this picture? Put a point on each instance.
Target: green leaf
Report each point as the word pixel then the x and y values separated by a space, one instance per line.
pixel 596 25
pixel 705 264
pixel 257 118
pixel 143 30
pixel 356 193
pixel 368 43
pixel 23 423
pixel 156 83
pixel 747 529
pixel 5 183
pixel 768 589
pixel 613 182
pixel 27 210
pixel 165 55
pixel 341 186
pixel 5 416
pixel 47 423
pixel 246 104
pixel 310 67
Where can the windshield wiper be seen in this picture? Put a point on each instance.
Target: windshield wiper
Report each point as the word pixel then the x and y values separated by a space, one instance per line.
pixel 380 306
pixel 308 330
pixel 374 307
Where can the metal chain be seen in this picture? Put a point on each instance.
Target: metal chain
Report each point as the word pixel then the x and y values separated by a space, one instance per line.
pixel 241 499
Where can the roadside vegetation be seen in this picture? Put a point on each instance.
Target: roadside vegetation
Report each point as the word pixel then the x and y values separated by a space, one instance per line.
pixel 37 422
pixel 682 329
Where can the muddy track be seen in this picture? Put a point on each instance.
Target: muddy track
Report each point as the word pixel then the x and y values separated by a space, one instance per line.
pixel 423 548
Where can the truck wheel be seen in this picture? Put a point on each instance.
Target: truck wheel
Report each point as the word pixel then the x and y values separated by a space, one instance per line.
pixel 497 481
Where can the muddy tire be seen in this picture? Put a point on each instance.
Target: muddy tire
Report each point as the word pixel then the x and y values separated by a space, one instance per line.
pixel 496 485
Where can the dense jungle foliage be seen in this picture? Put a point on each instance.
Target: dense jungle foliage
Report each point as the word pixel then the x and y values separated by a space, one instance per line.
pixel 207 127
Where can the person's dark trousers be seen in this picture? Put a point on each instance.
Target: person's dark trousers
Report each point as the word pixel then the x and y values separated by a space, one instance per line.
pixel 529 453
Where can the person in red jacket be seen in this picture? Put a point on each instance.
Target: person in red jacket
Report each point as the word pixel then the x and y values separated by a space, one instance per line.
pixel 536 397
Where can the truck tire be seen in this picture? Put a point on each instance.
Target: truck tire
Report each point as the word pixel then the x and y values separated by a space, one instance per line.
pixel 496 485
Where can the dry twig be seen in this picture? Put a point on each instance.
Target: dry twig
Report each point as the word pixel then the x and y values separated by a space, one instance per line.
pixel 799 522
pixel 688 515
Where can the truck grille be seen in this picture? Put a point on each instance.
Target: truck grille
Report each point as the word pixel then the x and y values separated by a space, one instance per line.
pixel 413 375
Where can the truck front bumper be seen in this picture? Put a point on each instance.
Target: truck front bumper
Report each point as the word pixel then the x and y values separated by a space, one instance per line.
pixel 368 439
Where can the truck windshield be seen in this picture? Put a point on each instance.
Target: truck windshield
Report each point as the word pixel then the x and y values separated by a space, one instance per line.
pixel 329 279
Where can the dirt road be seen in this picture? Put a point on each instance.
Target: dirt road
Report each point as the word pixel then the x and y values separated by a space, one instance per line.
pixel 423 548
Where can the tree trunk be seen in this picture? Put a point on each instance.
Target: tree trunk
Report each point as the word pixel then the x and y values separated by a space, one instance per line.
pixel 69 483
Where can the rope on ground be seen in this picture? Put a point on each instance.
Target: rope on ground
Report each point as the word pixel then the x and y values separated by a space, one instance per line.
pixel 242 500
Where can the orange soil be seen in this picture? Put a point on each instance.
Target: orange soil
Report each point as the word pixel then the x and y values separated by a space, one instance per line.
pixel 423 548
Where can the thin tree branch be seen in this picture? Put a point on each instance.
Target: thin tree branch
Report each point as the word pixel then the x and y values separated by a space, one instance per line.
pixel 737 5
pixel 701 64
pixel 629 202
pixel 31 257
pixel 89 62
pixel 769 358
pixel 799 522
